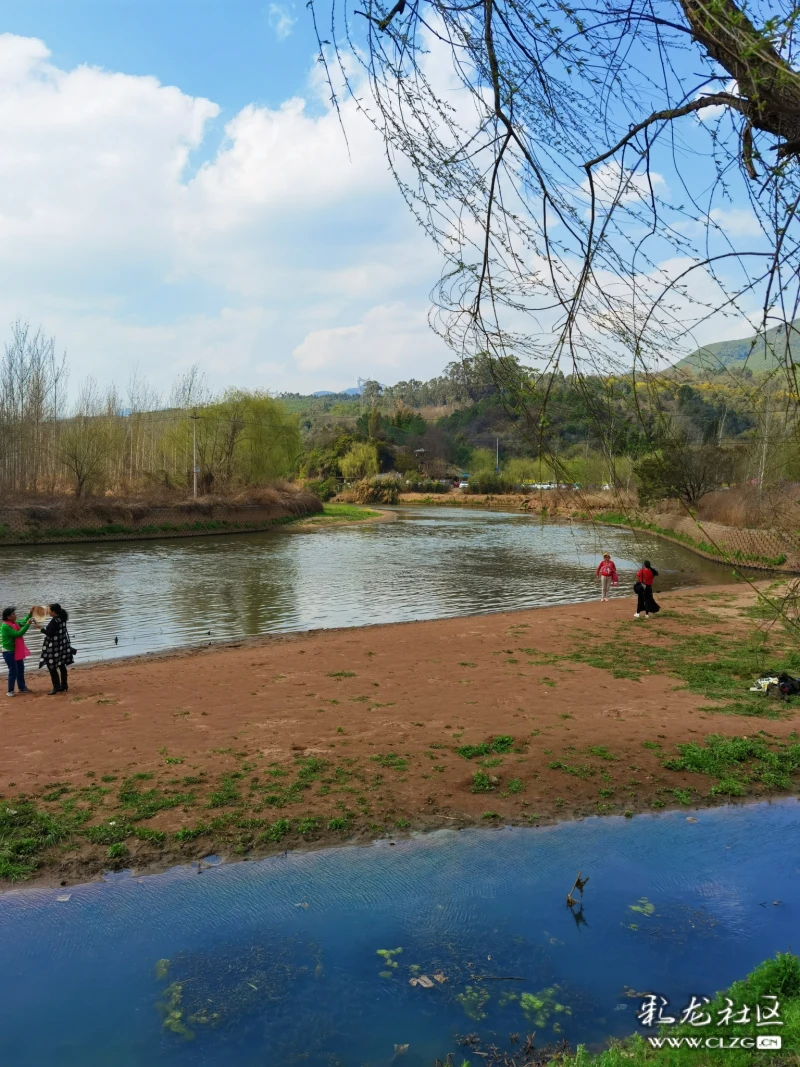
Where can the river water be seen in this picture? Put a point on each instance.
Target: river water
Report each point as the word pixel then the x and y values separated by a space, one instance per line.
pixel 276 962
pixel 431 563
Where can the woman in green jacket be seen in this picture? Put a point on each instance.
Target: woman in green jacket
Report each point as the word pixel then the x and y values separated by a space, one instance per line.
pixel 12 633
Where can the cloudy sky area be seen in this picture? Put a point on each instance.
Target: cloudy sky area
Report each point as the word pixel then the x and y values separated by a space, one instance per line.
pixel 173 190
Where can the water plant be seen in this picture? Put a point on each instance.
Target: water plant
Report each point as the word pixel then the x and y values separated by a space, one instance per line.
pixel 389 962
pixel 538 1008
pixel 643 906
pixel 473 1000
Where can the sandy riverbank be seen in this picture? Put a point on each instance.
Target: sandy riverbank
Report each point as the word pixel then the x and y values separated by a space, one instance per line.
pixel 290 741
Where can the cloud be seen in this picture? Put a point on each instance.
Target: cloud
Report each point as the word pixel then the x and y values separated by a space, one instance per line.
pixel 118 241
pixel 736 222
pixel 616 184
pixel 388 339
pixel 281 20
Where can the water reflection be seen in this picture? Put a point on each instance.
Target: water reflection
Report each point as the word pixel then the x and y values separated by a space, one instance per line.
pixel 430 563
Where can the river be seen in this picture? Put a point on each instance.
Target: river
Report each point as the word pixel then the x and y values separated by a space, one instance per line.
pixel 127 598
pixel 306 958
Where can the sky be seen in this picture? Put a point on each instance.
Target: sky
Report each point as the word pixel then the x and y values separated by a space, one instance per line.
pixel 173 190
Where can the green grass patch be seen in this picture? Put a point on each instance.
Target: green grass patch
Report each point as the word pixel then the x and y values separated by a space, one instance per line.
pixel 390 760
pixel 716 665
pixel 345 513
pixel 778 977
pixel 26 832
pixel 145 803
pixel 582 770
pixel 502 744
pixel 483 783
pixel 739 762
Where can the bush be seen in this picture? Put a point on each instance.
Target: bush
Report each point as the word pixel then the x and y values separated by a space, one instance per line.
pixel 489 482
pixel 375 491
pixel 324 488
pixel 427 485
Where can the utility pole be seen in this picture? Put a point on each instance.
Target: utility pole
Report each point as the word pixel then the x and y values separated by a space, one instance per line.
pixel 194 419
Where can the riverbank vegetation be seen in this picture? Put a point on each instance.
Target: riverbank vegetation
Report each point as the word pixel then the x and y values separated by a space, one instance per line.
pixel 776 980
pixel 683 437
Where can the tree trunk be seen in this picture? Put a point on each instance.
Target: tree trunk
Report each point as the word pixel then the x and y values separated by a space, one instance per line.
pixel 769 88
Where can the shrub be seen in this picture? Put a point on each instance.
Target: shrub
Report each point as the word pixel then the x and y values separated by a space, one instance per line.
pixel 427 485
pixel 375 491
pixel 489 482
pixel 323 488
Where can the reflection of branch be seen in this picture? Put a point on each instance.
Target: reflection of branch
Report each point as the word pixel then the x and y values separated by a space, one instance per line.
pixel 673 113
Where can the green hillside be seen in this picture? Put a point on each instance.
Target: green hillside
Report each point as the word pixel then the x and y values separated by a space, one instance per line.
pixel 759 352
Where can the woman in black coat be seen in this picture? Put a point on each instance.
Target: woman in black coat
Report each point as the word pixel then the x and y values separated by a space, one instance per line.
pixel 644 591
pixel 57 649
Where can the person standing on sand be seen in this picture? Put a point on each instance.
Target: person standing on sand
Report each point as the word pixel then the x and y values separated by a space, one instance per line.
pixel 645 601
pixel 607 573
pixel 57 652
pixel 15 651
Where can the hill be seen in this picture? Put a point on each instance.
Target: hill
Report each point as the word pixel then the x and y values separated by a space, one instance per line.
pixel 759 352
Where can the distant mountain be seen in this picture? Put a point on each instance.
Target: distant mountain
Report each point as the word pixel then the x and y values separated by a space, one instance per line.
pixel 352 391
pixel 759 352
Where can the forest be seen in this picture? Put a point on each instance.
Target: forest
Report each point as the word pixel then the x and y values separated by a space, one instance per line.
pixel 590 430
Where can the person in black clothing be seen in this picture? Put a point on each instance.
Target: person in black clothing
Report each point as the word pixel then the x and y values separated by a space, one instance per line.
pixel 57 649
pixel 645 601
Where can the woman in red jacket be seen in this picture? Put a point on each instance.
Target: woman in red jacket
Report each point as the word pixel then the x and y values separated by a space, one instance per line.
pixel 607 573
pixel 645 601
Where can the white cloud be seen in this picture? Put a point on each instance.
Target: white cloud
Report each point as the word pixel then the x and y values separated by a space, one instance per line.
pixel 614 184
pixel 281 20
pixel 116 240
pixel 736 222
pixel 387 340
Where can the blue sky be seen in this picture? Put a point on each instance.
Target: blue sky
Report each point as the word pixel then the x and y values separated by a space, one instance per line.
pixel 226 50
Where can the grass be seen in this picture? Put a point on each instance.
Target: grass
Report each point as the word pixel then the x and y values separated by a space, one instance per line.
pixel 582 770
pixel 483 782
pixel 502 744
pixel 390 760
pixel 716 665
pixel 777 977
pixel 738 763
pixel 344 513
pixel 26 832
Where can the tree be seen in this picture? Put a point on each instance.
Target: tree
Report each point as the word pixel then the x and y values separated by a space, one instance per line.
pixel 529 138
pixel 88 440
pixel 360 462
pixel 683 472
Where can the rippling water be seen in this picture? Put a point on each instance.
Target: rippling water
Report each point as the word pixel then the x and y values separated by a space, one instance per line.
pixel 281 955
pixel 430 563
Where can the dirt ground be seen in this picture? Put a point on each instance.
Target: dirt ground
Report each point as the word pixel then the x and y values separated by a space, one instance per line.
pixel 336 735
